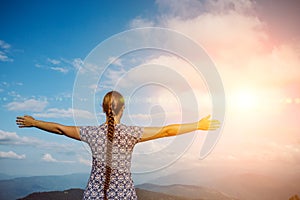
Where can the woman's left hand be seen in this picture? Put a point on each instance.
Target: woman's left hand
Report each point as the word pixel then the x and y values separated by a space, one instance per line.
pixel 207 124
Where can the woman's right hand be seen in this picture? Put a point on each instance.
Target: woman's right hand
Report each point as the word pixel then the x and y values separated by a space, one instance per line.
pixel 69 131
pixel 25 121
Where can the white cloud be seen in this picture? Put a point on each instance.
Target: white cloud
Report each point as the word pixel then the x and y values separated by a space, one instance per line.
pixel 115 61
pixel 60 69
pixel 84 161
pixel 12 138
pixel 187 9
pixel 11 155
pixel 4 57
pixel 112 77
pixel 4 86
pixel 4 49
pixel 27 105
pixel 61 65
pixel 49 158
pixel 39 65
pixel 53 61
pixel 4 45
pixel 19 83
pixel 77 63
pixel 14 94
pixel 64 113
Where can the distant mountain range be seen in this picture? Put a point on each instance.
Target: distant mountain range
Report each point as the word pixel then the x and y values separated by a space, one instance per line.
pixel 55 187
pixel 76 194
pixel 241 186
pixel 188 193
pixel 245 186
pixel 20 187
pixel 6 177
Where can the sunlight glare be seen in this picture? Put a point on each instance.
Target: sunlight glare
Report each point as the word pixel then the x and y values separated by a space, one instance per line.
pixel 245 100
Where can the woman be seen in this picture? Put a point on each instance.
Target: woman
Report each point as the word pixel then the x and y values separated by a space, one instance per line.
pixel 112 145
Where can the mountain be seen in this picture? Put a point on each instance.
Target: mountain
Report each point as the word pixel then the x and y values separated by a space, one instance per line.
pixel 20 187
pixel 186 191
pixel 150 195
pixel 5 176
pixel 76 194
pixel 46 187
pixel 246 186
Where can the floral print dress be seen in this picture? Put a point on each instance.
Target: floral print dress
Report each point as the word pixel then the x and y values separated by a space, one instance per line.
pixel 121 183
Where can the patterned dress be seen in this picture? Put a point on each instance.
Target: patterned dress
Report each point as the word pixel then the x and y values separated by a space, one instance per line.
pixel 121 183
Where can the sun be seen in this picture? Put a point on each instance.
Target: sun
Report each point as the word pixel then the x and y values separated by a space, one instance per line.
pixel 245 99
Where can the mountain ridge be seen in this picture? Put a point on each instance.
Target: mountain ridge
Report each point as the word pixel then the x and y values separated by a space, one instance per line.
pixel 22 186
pixel 76 194
pixel 246 186
pixel 17 188
pixel 187 191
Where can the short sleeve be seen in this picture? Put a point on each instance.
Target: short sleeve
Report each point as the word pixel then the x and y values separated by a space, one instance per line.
pixel 85 133
pixel 137 132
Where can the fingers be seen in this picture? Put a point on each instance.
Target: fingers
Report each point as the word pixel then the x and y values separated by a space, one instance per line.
pixel 20 118
pixel 214 124
pixel 23 117
pixel 20 122
pixel 217 122
pixel 212 128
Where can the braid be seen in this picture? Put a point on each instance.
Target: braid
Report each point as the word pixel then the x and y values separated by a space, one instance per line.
pixel 110 137
pixel 113 103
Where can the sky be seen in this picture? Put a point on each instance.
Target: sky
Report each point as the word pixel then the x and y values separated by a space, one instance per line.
pixel 45 49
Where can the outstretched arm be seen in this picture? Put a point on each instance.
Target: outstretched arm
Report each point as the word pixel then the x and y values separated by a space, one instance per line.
pixel 69 131
pixel 151 133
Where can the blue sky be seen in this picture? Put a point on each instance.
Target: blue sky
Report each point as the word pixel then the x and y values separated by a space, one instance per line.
pixel 42 42
pixel 254 47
